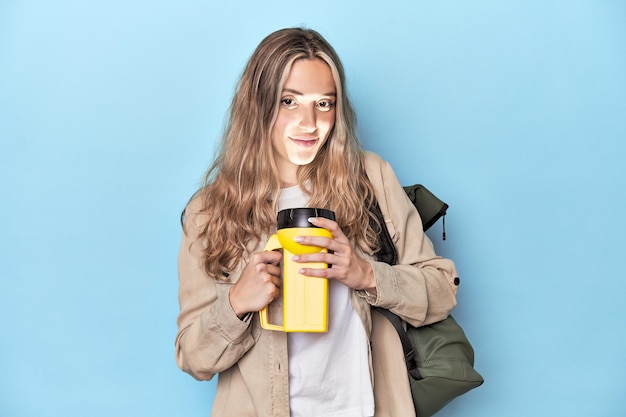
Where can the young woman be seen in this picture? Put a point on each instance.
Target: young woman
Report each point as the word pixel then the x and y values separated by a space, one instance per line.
pixel 291 142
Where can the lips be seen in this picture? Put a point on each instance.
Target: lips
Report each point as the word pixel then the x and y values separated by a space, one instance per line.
pixel 304 141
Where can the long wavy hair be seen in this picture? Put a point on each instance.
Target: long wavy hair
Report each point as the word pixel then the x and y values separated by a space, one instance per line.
pixel 241 187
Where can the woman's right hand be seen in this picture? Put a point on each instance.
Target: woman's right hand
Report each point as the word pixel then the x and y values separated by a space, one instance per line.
pixel 258 284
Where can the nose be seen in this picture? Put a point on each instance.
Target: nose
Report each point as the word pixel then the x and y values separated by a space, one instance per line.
pixel 308 119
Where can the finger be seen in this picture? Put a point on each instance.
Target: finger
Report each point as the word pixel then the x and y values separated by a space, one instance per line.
pixel 327 224
pixel 276 281
pixel 320 241
pixel 273 270
pixel 276 293
pixel 323 257
pixel 267 257
pixel 317 272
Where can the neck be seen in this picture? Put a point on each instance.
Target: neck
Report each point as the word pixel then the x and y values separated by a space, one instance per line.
pixel 287 184
pixel 288 177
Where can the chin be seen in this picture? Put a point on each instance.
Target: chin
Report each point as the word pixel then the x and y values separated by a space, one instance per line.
pixel 302 160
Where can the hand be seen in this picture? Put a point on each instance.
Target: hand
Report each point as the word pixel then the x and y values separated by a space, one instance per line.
pixel 258 284
pixel 347 266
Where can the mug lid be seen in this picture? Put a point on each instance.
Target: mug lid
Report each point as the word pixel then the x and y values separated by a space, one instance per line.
pixel 299 217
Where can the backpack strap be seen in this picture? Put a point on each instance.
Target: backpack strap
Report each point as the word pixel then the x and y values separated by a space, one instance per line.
pixel 409 352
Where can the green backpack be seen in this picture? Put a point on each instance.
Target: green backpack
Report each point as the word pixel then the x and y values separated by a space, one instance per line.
pixel 439 357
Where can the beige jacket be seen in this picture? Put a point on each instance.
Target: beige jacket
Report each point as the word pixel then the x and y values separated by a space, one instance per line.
pixel 252 362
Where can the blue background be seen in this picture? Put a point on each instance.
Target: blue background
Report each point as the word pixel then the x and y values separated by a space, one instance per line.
pixel 512 112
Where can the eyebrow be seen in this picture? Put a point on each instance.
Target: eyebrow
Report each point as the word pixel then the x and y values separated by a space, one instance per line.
pixel 297 93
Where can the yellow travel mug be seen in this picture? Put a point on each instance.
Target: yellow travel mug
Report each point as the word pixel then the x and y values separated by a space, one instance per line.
pixel 305 299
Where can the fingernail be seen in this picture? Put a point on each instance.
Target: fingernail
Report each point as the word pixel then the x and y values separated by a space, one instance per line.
pixel 298 239
pixel 312 219
pixel 295 258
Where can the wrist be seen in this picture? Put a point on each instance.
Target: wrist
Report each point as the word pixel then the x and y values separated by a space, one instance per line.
pixel 234 306
pixel 370 279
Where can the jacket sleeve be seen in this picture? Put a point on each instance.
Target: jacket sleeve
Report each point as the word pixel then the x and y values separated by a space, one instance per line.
pixel 422 287
pixel 211 338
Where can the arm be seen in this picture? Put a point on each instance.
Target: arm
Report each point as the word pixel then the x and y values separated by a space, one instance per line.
pixel 213 327
pixel 421 288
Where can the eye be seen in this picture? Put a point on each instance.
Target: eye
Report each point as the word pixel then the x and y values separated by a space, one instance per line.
pixel 288 102
pixel 325 105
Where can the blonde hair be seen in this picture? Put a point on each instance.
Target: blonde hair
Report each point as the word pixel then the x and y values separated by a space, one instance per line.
pixel 242 185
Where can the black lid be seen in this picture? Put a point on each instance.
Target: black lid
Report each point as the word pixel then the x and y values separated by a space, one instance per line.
pixel 298 217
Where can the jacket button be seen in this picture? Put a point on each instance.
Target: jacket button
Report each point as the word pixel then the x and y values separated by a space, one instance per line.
pixel 457 281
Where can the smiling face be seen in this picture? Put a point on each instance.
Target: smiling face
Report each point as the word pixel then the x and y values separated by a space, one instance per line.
pixel 306 115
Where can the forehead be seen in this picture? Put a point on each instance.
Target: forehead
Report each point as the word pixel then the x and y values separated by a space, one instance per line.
pixel 310 76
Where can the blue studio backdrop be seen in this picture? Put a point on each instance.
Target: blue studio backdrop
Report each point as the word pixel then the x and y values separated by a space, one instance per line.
pixel 512 112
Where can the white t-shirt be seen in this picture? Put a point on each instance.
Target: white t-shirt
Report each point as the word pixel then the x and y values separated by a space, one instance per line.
pixel 329 372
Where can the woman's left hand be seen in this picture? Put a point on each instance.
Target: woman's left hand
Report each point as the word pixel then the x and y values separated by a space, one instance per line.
pixel 347 266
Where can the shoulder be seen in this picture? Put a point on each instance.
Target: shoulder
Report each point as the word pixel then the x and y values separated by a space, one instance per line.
pixel 389 192
pixel 378 170
pixel 194 214
pixel 372 160
pixel 376 167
